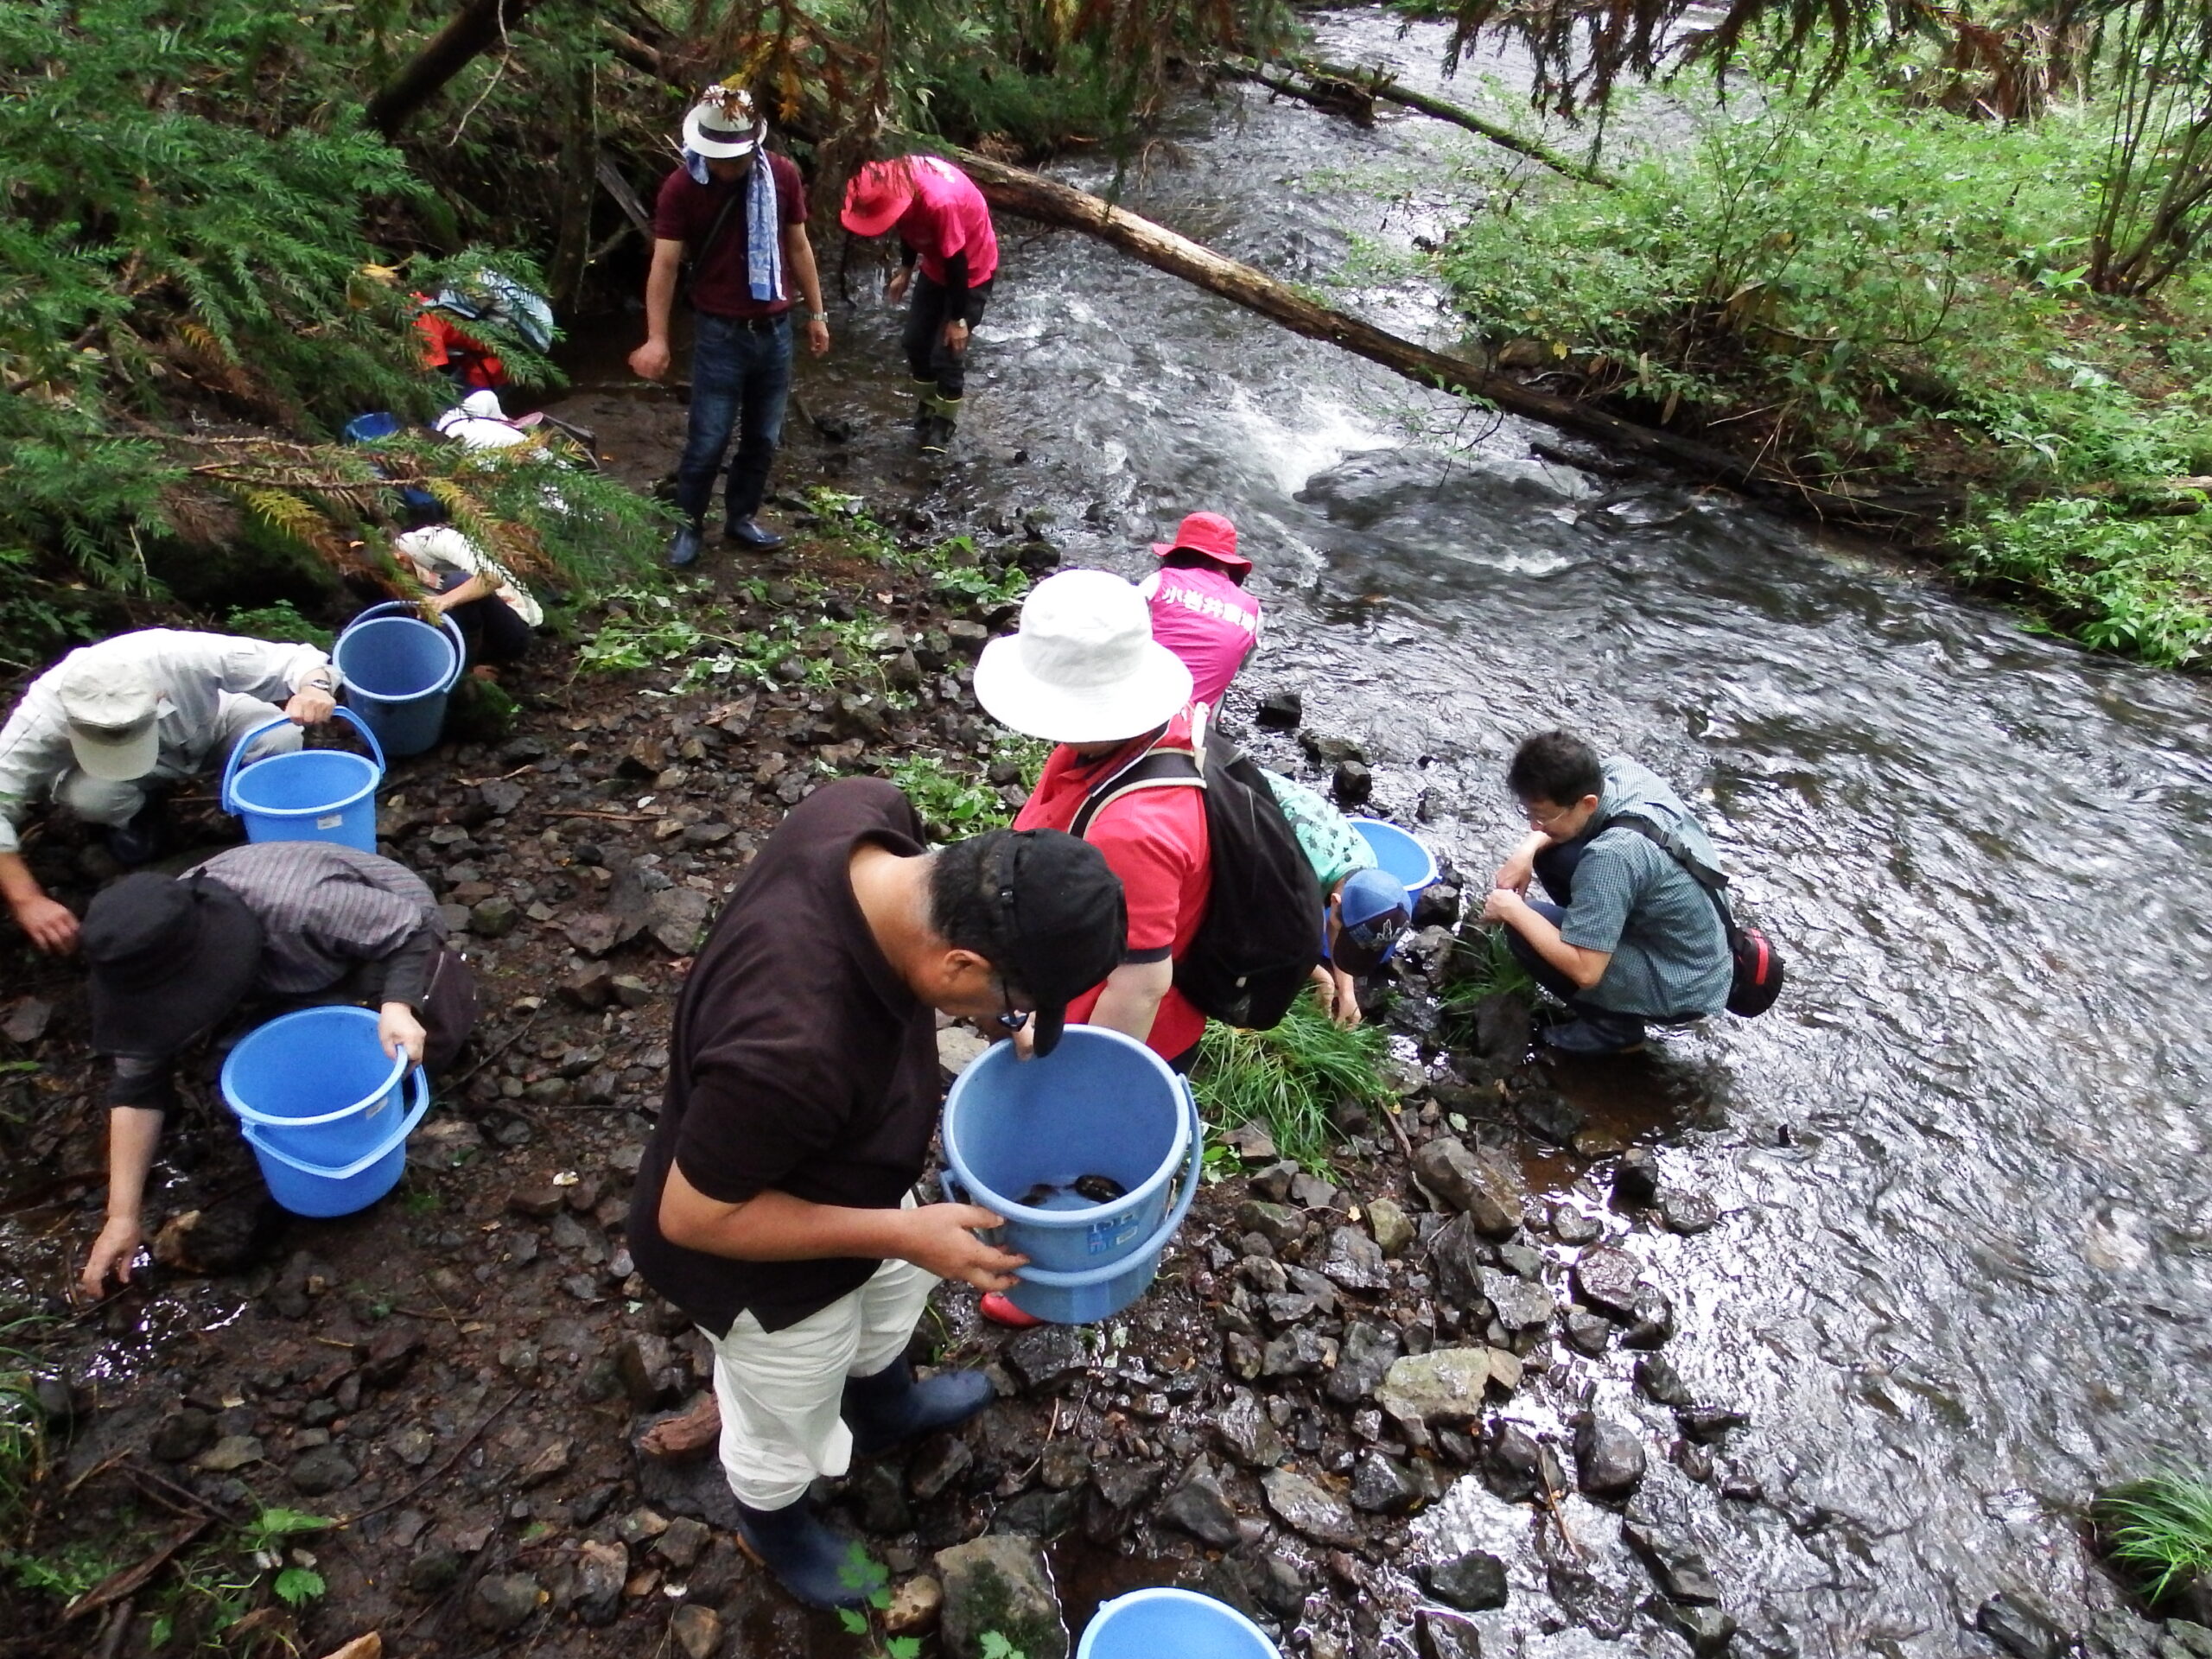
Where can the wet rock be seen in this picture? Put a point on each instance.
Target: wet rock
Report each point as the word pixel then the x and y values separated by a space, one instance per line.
pixel 1605 1610
pixel 391 1352
pixel 1272 1184
pixel 1251 1142
pixel 1587 1334
pixel 878 1499
pixel 1310 1511
pixel 1480 1186
pixel 438 1569
pixel 1354 1262
pixel 1242 1357
pixel 1686 1213
pixel 1503 1026
pixel 27 1019
pixel 999 1583
pixel 1040 1514
pixel 1436 906
pixel 602 1568
pixel 1650 1319
pixel 1392 1230
pixel 1353 783
pixel 915 1606
pixel 183 1436
pixel 1125 1484
pixel 1707 1629
pixel 1280 711
pixel 1363 1359
pixel 1608 1456
pixel 1444 1386
pixel 1448 1635
pixel 1199 1507
pixel 1312 1193
pixel 502 795
pixel 1606 1278
pixel 502 1601
pixel 1474 1582
pixel 1662 1383
pixel 323 1470
pixel 684 1542
pixel 1282 1588
pixel 1636 1177
pixel 229 1454
pixel 1246 1434
pixel 2021 1628
pixel 1708 1423
pixel 1064 1463
pixel 2184 1638
pixel 1458 1257
pixel 646 1365
pixel 631 991
pixel 697 1630
pixel 942 1460
pixel 1549 1115
pixel 676 916
pixel 1382 1485
pixel 1278 1223
pixel 1673 1561
pixel 551 1459
pixel 1512 1461
pixel 1571 1226
pixel 1517 1303
pixel 1048 1356
pixel 594 933
pixel 1301 1352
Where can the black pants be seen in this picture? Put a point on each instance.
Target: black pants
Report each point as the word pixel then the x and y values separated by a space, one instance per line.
pixel 930 306
pixel 491 631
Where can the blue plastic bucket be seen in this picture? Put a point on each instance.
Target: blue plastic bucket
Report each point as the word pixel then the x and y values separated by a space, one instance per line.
pixel 1101 1103
pixel 326 1113
pixel 1398 853
pixel 397 671
pixel 308 794
pixel 1166 1623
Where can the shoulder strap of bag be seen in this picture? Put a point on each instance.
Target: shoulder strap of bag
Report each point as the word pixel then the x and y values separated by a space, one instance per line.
pixel 1154 769
pixel 1711 880
pixel 722 220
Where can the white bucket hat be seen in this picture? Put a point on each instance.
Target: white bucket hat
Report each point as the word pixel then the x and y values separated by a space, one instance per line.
pixel 112 704
pixel 723 125
pixel 1085 667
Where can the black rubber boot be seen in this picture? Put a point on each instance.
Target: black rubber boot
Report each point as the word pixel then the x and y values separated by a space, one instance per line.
pixel 890 1408
pixel 142 838
pixel 810 1558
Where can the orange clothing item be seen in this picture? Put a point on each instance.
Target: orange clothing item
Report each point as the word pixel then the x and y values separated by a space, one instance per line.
pixel 444 344
pixel 1155 841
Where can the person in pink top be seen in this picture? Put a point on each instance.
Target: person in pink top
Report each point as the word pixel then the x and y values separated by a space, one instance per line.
pixel 943 223
pixel 1199 608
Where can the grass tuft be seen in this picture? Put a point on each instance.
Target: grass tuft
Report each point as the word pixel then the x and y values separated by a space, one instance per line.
pixel 2159 1529
pixel 1289 1078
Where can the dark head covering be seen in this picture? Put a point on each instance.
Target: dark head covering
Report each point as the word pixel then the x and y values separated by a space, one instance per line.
pixel 1062 925
pixel 171 956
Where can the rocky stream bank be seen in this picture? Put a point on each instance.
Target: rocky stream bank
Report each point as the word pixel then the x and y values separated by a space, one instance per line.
pixel 1432 1401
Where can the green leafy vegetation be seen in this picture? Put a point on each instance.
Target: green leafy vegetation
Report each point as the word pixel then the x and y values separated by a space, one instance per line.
pixel 2159 1531
pixel 1290 1077
pixel 1880 294
pixel 862 1572
pixel 279 621
pixel 1482 965
pixel 953 805
pixel 22 1422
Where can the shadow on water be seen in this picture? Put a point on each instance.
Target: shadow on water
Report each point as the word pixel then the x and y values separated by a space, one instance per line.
pixel 1961 1273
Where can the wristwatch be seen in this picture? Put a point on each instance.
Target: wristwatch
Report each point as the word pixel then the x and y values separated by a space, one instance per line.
pixel 817 316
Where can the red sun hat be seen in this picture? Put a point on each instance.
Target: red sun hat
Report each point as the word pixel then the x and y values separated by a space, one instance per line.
pixel 1208 533
pixel 877 196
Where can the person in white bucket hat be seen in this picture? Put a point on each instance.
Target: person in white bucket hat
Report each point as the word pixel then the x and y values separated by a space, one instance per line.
pixel 1085 672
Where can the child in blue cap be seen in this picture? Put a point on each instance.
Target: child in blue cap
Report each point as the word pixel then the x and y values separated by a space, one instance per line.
pixel 1369 909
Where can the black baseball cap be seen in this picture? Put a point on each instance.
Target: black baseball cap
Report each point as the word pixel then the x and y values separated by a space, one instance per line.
pixel 1061 922
pixel 170 955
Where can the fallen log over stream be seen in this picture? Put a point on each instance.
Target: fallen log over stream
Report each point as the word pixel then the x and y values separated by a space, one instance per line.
pixel 1031 196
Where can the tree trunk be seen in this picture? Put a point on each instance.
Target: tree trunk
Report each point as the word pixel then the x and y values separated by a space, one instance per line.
pixel 1013 190
pixel 1338 88
pixel 480 25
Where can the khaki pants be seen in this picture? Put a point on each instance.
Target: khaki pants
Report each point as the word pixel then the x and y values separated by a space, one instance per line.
pixel 780 1390
pixel 102 800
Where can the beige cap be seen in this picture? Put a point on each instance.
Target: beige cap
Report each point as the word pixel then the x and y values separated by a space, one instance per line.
pixel 113 707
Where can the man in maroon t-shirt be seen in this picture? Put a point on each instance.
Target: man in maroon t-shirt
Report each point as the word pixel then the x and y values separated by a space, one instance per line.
pixel 741 213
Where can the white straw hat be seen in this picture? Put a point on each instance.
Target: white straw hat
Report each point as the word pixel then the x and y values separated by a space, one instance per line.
pixel 723 125
pixel 1085 667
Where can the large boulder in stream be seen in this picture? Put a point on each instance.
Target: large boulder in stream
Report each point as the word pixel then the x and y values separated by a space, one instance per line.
pixel 1000 1583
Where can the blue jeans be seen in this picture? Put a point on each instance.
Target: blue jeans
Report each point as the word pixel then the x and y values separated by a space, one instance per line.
pixel 740 376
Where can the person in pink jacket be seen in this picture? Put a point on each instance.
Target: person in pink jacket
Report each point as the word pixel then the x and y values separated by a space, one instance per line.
pixel 1199 608
pixel 943 225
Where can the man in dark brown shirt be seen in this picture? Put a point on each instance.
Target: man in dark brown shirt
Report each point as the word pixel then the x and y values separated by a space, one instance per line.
pixel 774 1204
pixel 741 213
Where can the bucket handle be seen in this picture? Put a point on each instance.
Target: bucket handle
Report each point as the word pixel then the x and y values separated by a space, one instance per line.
pixel 413 609
pixel 415 1115
pixel 1081 1278
pixel 247 1114
pixel 238 751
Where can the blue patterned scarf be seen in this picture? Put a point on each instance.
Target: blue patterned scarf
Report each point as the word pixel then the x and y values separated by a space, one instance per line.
pixel 764 242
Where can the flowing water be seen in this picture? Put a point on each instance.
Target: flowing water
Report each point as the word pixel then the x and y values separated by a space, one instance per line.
pixel 1965 1261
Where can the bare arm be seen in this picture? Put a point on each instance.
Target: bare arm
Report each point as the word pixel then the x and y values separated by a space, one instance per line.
pixel 52 926
pixel 650 360
pixel 479 585
pixel 798 260
pixel 132 1135
pixel 1586 968
pixel 1515 872
pixel 776 1226
pixel 1131 1000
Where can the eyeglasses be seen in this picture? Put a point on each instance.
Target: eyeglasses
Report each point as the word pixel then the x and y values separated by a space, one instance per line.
pixel 1542 822
pixel 1014 1019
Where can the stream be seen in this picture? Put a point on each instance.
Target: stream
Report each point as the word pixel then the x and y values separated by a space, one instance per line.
pixel 1964 1260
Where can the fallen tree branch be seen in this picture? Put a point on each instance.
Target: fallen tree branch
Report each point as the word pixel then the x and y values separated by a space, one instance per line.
pixel 130 1579
pixel 1380 83
pixel 452 49
pixel 1031 195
